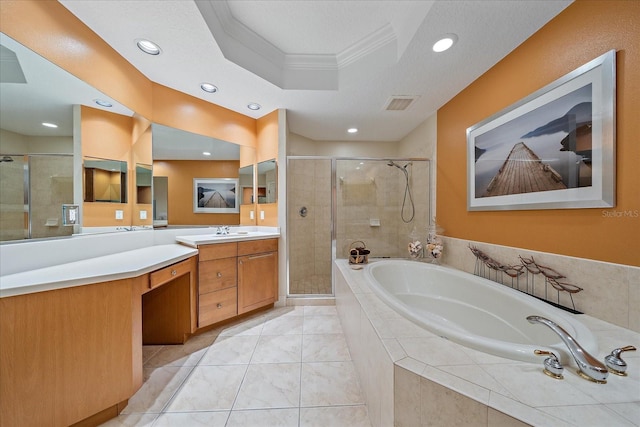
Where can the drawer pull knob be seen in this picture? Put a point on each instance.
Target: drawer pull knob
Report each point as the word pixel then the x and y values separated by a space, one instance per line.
pixel 174 272
pixel 219 274
pixel 219 305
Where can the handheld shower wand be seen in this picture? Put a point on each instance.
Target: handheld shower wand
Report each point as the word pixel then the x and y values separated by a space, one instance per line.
pixel 407 191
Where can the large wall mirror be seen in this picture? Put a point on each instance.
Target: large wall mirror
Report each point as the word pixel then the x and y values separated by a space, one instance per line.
pixel 38 138
pixel 180 160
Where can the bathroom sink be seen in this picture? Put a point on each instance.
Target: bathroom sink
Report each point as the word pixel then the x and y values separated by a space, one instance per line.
pixel 203 239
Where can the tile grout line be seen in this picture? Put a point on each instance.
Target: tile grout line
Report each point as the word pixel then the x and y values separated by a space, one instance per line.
pixel 235 399
pixel 307 315
pixel 183 382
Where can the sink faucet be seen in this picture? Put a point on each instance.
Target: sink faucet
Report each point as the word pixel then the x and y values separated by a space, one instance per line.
pixel 223 230
pixel 588 366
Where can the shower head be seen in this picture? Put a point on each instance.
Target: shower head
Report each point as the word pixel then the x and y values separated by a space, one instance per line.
pixel 392 163
pixel 7 159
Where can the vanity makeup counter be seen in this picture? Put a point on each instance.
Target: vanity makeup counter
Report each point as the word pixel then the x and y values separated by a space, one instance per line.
pixel 104 268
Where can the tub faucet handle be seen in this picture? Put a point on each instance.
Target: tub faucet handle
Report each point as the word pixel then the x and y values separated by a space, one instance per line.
pixel 589 367
pixel 614 361
pixel 552 366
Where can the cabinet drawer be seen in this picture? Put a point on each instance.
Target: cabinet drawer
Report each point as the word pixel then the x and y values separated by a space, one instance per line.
pixel 217 274
pixel 217 306
pixel 217 251
pixel 257 246
pixel 160 277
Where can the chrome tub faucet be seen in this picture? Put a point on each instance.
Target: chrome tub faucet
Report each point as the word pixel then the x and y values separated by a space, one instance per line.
pixel 588 366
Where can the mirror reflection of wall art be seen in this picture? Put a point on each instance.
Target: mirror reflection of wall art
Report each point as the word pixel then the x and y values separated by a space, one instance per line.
pixel 215 195
pixel 554 149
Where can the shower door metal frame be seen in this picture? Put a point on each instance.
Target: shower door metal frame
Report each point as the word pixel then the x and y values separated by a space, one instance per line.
pixel 334 209
pixel 26 164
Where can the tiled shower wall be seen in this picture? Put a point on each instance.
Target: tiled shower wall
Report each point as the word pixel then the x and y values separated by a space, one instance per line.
pixel 369 199
pixel 51 187
pixel 611 292
pixel 371 192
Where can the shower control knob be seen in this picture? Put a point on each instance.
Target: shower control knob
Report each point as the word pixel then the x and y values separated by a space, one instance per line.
pixel 614 361
pixel 552 366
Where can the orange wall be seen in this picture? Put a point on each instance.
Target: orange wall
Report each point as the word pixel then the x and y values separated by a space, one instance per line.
pixel 584 31
pixel 107 136
pixel 141 153
pixel 267 134
pixel 49 29
pixel 180 175
pixel 181 111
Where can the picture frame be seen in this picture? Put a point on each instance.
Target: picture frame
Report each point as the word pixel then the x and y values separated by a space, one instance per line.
pixel 554 149
pixel 215 195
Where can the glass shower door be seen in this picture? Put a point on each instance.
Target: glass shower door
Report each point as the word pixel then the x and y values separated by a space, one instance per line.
pixel 309 218
pixel 34 188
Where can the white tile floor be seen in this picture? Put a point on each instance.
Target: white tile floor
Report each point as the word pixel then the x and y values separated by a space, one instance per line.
pixel 289 366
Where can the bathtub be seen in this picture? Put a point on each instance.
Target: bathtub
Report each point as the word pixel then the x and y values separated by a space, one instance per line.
pixel 473 311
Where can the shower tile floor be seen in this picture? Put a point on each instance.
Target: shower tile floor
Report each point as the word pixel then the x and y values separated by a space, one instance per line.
pixel 288 366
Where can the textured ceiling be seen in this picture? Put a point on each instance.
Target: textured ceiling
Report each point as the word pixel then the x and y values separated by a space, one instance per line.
pixel 400 62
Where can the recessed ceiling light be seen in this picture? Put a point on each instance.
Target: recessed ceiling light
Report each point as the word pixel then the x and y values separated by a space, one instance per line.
pixel 103 103
pixel 148 46
pixel 253 106
pixel 49 125
pixel 206 153
pixel 445 42
pixel 208 87
pixel 352 130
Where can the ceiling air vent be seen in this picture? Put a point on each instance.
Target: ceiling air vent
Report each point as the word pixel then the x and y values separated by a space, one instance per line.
pixel 399 103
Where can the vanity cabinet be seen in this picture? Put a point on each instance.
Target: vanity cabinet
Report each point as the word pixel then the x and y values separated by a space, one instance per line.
pixel 235 278
pixel 67 354
pixel 257 274
pixel 217 283
pixel 74 355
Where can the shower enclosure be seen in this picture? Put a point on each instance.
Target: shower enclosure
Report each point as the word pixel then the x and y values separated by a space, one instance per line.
pixel 334 204
pixel 34 188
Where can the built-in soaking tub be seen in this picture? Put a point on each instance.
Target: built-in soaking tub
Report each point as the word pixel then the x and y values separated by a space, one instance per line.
pixel 473 311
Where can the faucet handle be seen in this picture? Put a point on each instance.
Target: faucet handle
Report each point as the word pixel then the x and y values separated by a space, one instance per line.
pixel 614 361
pixel 552 366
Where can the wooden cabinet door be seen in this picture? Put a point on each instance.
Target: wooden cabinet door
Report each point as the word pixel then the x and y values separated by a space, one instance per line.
pixel 257 280
pixel 65 354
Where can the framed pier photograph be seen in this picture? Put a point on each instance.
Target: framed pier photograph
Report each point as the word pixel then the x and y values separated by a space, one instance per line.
pixel 554 149
pixel 215 195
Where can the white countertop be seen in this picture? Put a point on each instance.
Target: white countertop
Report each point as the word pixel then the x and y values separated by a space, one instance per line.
pixel 234 236
pixel 104 268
